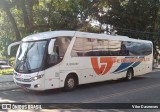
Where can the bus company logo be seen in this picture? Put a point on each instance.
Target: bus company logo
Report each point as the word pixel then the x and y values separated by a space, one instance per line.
pixel 104 62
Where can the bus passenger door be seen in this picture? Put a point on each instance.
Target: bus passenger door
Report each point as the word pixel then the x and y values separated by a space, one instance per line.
pixel 52 61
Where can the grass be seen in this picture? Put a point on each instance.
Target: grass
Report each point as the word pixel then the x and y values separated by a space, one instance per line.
pixel 6 72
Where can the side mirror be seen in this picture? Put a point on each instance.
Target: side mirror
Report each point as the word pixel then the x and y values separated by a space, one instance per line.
pixel 50 46
pixel 11 45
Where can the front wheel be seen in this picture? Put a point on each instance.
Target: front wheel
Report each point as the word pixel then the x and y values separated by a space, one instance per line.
pixel 70 83
pixel 129 75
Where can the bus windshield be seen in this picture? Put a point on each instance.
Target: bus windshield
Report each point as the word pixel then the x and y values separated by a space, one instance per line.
pixel 30 56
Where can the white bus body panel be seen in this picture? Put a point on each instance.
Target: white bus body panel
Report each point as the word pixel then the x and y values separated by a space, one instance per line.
pixel 52 77
pixel 84 66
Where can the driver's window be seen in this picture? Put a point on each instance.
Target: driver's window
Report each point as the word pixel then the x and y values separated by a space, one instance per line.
pixel 59 49
pixel 53 57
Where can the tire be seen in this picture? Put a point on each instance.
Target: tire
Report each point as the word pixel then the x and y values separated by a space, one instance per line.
pixel 129 75
pixel 70 83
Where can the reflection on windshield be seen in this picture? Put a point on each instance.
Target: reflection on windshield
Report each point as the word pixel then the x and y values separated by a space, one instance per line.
pixel 30 56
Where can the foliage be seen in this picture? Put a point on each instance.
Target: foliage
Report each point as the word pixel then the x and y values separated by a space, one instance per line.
pixel 12 61
pixel 136 19
pixel 2 57
pixel 6 72
pixel 133 18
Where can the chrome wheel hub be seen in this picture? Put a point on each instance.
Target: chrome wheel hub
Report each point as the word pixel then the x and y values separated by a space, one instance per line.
pixel 71 83
pixel 129 75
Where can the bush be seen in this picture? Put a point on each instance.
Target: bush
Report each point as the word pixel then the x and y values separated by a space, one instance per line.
pixel 12 61
pixel 6 72
pixel 2 57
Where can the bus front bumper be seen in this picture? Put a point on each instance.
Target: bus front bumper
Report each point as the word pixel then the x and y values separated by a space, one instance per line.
pixel 37 85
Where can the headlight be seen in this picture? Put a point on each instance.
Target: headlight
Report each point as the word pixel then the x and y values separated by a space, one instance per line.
pixel 37 77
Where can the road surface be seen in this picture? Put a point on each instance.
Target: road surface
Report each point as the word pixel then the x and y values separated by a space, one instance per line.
pixel 142 89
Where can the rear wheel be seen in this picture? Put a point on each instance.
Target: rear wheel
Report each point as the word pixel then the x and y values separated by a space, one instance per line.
pixel 129 75
pixel 70 83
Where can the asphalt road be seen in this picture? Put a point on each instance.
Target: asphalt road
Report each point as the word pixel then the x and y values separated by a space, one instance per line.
pixel 142 89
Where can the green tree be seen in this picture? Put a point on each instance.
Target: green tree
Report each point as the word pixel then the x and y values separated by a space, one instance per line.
pixel 135 18
pixel 6 6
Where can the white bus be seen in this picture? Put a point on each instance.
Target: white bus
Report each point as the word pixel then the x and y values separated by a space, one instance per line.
pixel 57 59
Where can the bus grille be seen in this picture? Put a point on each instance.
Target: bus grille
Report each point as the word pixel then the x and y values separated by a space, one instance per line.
pixel 24 85
pixel 23 80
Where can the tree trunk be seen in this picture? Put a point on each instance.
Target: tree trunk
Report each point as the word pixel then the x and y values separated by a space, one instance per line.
pixel 17 33
pixel 155 27
pixel 50 11
pixel 30 13
pixel 26 18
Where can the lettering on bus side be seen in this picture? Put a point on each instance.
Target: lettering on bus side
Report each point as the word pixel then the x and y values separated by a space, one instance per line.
pixel 71 64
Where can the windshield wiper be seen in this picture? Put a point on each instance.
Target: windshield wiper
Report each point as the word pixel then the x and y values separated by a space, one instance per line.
pixel 25 59
pixel 20 61
pixel 28 64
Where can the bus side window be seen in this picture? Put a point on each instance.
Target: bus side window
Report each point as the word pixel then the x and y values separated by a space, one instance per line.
pixel 63 45
pixel 77 49
pixel 53 57
pixel 59 49
pixel 100 47
pixel 114 47
pixel 124 51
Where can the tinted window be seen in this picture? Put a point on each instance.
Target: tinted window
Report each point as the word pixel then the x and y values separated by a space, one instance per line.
pixel 100 47
pixel 59 49
pixel 63 43
pixel 90 47
pixel 147 49
pixel 115 48
pixel 137 48
pixel 103 47
pixel 82 47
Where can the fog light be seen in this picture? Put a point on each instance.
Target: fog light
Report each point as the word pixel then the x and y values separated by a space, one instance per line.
pixel 37 85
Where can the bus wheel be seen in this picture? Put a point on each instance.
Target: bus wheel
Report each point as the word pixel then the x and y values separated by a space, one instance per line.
pixel 70 83
pixel 129 75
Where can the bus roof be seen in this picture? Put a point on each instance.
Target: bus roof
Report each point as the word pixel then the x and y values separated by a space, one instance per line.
pixel 48 35
pixel 52 34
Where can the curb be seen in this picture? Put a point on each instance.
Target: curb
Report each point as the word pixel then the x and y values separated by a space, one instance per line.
pixel 7 89
pixel 7 86
pixel 6 78
pixel 7 83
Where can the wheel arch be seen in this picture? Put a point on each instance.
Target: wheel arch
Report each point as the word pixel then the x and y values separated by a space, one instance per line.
pixel 73 74
pixel 132 69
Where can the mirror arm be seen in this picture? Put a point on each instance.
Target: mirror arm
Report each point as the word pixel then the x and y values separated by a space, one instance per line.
pixel 11 45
